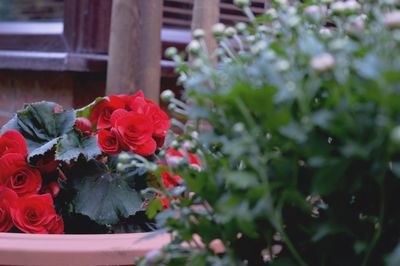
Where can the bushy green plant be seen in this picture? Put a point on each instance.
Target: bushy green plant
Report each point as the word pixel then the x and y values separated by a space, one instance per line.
pixel 299 140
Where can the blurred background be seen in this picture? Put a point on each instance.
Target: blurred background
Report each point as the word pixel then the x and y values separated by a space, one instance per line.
pixel 59 50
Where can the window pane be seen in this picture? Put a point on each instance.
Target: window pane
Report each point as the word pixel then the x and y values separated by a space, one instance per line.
pixel 31 10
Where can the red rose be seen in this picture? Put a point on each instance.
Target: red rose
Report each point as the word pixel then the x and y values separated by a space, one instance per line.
pixel 136 130
pixel 35 214
pixel 53 188
pixel 7 198
pixel 101 113
pixel 160 119
pixel 108 142
pixel 17 175
pixel 84 125
pixel 12 142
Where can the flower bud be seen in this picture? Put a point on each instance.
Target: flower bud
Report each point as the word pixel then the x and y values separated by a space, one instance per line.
pixel 193 47
pixel 282 65
pixel 124 158
pixel 322 62
pixel 230 32
pixel 218 30
pixel 271 13
pixel 83 125
pixel 198 34
pixel 167 95
pixel 170 52
pixel 241 3
pixel 172 107
pixel 241 27
pixel 325 32
pixel 238 127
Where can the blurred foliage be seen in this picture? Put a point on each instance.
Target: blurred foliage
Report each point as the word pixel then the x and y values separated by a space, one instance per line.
pixel 299 137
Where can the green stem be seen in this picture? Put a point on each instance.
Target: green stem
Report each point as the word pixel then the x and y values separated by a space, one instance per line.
pixel 291 248
pixel 378 231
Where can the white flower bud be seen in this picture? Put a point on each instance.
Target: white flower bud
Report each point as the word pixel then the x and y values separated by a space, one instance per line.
pixel 282 65
pixel 172 107
pixel 167 95
pixel 193 47
pixel 271 13
pixel 170 52
pixel 338 7
pixel 218 29
pixel 392 19
pixel 241 27
pixel 322 62
pixel 238 127
pixel 230 32
pixel 198 34
pixel 325 32
pixel 124 158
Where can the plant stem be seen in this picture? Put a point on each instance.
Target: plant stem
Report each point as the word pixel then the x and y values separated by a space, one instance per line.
pixel 378 231
pixel 291 248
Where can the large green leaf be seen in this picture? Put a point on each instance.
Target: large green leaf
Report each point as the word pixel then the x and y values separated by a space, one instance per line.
pixel 42 125
pixel 104 196
pixel 71 145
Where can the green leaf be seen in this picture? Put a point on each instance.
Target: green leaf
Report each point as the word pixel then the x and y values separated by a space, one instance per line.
pixel 154 207
pixel 87 110
pixel 73 144
pixel 41 125
pixel 241 179
pixel 103 196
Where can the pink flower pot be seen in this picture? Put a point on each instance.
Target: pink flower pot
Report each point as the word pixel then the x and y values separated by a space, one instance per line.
pixel 113 249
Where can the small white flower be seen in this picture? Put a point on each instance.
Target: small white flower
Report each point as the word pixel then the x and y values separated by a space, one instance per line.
pixel 322 62
pixel 271 12
pixel 338 7
pixel 352 6
pixel 392 19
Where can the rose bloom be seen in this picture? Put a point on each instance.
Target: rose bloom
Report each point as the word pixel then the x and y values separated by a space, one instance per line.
pixel 12 142
pixel 108 142
pixel 101 113
pixel 135 131
pixel 160 119
pixel 7 198
pixel 35 214
pixel 18 175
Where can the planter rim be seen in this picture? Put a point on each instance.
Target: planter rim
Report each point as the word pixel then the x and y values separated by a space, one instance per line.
pixel 101 249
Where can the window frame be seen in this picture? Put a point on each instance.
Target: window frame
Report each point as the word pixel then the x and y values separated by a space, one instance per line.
pixel 79 43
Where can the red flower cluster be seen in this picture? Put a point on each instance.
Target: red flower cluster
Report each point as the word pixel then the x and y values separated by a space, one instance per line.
pixel 169 179
pixel 129 123
pixel 20 205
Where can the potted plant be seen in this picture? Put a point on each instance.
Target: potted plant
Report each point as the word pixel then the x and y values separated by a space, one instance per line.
pixel 79 172
pixel 298 130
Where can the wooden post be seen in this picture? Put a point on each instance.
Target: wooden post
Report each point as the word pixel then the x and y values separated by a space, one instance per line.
pixel 135 48
pixel 205 15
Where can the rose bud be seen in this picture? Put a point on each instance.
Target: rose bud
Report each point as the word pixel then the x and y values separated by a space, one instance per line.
pixel 53 188
pixel 84 125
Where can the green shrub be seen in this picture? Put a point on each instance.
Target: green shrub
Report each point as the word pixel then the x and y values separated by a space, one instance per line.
pixel 299 138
